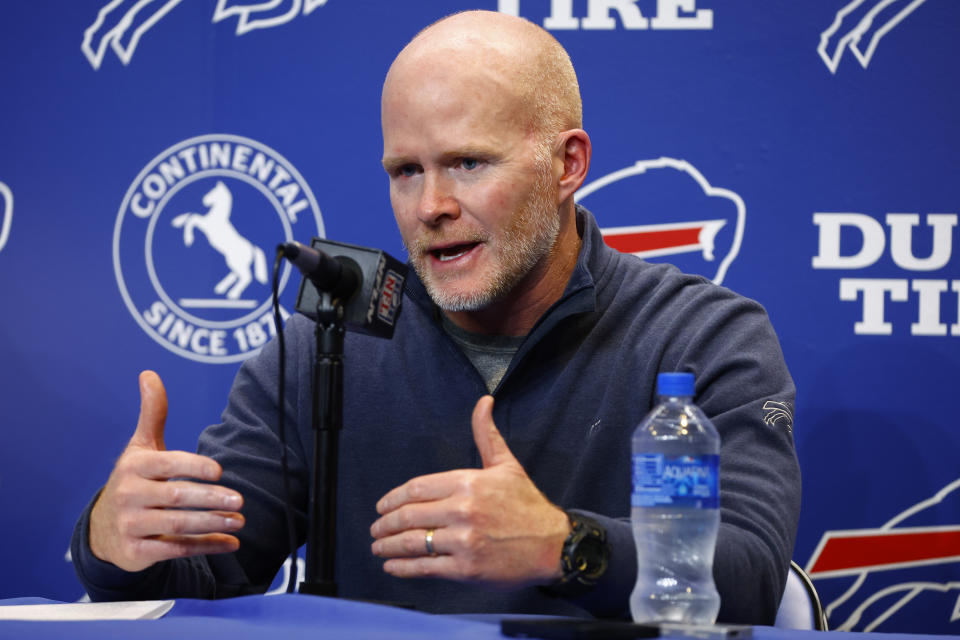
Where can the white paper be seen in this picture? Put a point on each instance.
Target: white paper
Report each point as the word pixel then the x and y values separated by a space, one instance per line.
pixel 138 610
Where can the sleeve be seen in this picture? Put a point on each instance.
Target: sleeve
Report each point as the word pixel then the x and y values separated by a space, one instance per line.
pixel 744 387
pixel 247 445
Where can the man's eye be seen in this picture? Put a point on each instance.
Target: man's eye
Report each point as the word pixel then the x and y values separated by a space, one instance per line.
pixel 408 170
pixel 469 163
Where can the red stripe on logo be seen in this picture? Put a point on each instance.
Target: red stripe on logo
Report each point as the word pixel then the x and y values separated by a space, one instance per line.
pixel 639 241
pixel 856 552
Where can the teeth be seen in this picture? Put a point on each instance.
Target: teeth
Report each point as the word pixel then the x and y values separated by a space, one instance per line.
pixel 444 257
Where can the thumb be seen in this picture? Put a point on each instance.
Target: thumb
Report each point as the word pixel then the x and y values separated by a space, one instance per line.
pixel 153 413
pixel 493 448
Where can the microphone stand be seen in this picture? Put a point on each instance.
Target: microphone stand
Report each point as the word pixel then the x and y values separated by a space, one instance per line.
pixel 344 285
pixel 327 421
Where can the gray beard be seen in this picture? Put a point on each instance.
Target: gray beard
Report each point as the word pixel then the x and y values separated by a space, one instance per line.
pixel 527 241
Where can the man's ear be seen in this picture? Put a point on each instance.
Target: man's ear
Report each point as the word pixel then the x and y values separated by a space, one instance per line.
pixel 575 152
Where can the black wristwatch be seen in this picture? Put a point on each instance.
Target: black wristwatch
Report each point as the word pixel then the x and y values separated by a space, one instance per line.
pixel 583 559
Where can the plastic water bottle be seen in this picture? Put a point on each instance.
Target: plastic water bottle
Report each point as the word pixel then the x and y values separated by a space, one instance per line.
pixel 675 508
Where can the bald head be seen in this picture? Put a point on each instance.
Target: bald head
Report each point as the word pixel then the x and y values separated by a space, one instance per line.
pixel 518 58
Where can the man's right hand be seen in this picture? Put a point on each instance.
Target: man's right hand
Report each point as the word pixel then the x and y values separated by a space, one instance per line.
pixel 143 516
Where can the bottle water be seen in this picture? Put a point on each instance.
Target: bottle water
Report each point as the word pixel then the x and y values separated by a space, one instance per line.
pixel 675 508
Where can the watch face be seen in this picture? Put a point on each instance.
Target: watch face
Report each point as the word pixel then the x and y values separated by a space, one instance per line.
pixel 586 551
pixel 591 554
pixel 584 558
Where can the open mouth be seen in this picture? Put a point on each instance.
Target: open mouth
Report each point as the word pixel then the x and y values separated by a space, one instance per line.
pixel 446 254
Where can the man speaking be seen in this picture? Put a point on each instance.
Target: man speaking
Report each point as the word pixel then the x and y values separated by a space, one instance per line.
pixel 492 434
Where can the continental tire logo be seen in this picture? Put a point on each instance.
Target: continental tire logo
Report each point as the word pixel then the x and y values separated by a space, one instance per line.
pixel 194 240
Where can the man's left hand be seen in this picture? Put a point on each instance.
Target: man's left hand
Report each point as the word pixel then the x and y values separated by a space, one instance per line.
pixel 490 525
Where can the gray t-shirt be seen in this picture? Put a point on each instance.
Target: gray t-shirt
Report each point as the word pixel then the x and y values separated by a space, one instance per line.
pixel 491 355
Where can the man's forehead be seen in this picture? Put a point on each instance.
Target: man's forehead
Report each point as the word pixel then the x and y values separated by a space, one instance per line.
pixel 451 75
pixel 462 62
pixel 470 109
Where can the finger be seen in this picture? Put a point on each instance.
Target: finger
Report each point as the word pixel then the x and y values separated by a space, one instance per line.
pixel 163 465
pixel 418 515
pixel 153 412
pixel 156 522
pixel 138 494
pixel 435 486
pixel 162 548
pixel 408 544
pixel 493 448
pixel 444 566
pixel 192 495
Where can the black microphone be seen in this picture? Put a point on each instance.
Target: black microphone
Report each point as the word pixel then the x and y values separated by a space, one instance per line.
pixel 368 282
pixel 340 277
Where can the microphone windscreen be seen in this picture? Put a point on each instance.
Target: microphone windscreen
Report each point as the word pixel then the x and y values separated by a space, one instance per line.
pixel 375 307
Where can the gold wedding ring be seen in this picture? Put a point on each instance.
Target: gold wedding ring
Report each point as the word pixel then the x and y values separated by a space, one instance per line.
pixel 428 543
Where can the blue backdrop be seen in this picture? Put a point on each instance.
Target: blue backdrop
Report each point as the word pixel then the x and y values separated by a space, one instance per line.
pixel 802 153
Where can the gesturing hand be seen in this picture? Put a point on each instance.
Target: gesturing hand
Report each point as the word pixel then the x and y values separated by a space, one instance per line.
pixel 142 516
pixel 489 525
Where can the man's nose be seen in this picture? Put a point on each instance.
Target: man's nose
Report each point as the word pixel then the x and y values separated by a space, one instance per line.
pixel 437 201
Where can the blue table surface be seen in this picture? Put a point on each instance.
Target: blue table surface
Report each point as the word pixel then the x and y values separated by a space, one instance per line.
pixel 293 616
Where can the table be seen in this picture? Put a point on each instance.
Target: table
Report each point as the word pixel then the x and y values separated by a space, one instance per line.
pixel 295 616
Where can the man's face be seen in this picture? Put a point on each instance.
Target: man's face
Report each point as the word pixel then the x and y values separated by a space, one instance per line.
pixel 471 186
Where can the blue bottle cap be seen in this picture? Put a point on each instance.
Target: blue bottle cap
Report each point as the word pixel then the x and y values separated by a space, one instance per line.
pixel 675 384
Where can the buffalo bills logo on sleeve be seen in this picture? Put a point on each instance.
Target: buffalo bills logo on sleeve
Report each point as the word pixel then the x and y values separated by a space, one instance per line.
pixel 778 414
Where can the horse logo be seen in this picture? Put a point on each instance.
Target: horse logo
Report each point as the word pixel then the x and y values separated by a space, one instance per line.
pixel 194 278
pixel 239 253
